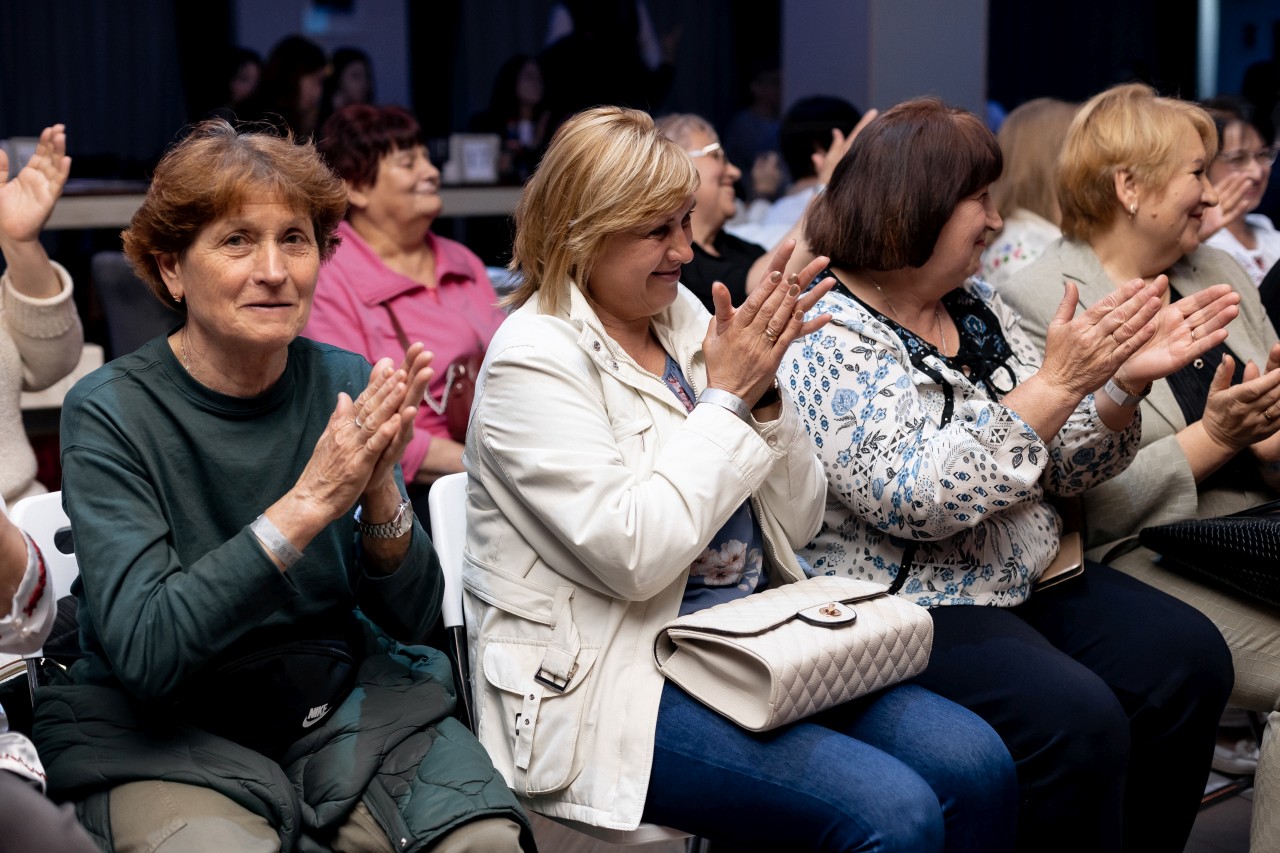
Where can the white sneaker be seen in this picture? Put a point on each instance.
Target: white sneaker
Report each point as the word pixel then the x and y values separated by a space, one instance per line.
pixel 1237 759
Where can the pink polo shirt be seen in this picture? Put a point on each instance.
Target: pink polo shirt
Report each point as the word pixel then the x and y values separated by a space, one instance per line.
pixel 461 310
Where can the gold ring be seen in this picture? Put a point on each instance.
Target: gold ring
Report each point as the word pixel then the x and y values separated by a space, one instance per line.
pixel 771 335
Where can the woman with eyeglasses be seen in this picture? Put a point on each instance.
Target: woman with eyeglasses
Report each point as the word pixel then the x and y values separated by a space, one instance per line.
pixel 943 432
pixel 1134 189
pixel 717 254
pixel 1240 174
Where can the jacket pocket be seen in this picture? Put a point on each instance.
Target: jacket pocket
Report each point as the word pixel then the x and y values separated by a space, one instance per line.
pixel 538 722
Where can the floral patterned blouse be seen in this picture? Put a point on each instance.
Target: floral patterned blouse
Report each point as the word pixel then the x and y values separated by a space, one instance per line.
pixel 1023 238
pixel 925 467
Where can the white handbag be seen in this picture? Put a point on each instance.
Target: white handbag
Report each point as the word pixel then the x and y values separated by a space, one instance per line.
pixel 791 651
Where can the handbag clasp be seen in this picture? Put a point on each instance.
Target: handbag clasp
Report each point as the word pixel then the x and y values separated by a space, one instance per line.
pixel 831 613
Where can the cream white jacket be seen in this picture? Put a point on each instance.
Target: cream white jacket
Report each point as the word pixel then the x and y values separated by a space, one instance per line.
pixel 591 492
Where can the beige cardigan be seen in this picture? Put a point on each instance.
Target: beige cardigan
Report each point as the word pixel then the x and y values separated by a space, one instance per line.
pixel 40 342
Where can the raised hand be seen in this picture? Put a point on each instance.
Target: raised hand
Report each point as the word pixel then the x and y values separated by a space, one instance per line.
pixel 745 345
pixel 824 163
pixel 28 199
pixel 1231 206
pixel 1184 331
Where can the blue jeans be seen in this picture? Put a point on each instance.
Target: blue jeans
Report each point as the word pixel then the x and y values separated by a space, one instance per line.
pixel 902 770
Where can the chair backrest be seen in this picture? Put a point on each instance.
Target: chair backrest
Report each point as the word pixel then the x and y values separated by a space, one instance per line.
pixel 447 501
pixel 133 315
pixel 44 520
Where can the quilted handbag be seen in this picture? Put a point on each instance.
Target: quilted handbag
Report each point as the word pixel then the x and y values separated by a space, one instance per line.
pixel 791 651
pixel 1239 553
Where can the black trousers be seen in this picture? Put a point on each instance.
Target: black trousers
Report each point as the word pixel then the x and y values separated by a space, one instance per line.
pixel 1107 693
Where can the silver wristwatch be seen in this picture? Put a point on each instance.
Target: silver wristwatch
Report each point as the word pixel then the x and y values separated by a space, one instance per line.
pixel 395 528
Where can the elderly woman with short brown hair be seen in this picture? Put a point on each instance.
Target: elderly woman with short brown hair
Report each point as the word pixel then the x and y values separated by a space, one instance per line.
pixel 943 432
pixel 1134 189
pixel 250 570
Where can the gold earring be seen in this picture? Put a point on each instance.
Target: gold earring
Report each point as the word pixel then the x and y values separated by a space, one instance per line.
pixel 1133 209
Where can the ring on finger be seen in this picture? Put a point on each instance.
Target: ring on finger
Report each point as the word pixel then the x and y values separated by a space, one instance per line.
pixel 357 423
pixel 771 335
pixel 1266 413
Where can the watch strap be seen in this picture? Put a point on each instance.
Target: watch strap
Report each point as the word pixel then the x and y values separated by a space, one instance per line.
pixel 393 529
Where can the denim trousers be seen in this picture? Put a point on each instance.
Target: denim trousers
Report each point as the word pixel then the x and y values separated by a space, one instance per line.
pixel 1107 693
pixel 901 770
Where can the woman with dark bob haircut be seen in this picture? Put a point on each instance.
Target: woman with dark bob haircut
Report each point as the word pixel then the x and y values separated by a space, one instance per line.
pixel 253 584
pixel 943 431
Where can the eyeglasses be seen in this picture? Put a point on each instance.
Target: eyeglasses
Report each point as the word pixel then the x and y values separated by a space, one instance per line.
pixel 717 153
pixel 1237 160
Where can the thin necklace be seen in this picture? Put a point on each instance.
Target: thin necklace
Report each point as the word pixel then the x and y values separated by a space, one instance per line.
pixel 937 314
pixel 182 345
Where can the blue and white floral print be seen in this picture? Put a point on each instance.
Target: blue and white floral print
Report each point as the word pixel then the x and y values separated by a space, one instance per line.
pixel 970 493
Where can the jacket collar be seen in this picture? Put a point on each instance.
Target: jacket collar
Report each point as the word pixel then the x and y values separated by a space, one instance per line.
pixel 680 329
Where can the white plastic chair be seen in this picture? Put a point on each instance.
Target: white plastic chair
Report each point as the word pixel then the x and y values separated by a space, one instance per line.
pixel 447 501
pixel 43 519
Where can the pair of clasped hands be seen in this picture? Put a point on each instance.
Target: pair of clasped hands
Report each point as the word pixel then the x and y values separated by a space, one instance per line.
pixel 355 457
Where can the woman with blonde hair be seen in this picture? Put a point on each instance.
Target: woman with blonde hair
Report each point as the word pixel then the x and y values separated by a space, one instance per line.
pixel 631 458
pixel 1026 193
pixel 1135 190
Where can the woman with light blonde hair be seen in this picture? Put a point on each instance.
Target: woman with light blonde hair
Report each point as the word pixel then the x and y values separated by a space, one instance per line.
pixel 631 459
pixel 1026 193
pixel 1135 190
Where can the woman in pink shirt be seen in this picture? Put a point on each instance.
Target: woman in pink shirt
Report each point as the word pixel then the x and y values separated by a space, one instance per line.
pixel 391 277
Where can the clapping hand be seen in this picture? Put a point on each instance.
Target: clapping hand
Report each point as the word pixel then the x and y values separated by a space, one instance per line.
pixel 365 438
pixel 1184 330
pixel 745 345
pixel 1237 416
pixel 415 368
pixel 1083 352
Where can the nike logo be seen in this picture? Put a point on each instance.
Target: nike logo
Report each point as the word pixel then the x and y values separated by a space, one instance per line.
pixel 314 715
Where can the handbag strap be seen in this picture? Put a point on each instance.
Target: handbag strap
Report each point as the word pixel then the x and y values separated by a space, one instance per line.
pixel 452 370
